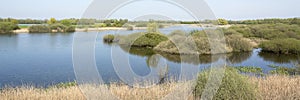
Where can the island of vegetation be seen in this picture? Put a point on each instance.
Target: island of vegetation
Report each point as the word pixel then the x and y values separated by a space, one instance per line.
pixel 279 36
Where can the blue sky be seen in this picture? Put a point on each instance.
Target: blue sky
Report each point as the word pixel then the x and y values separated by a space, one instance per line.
pixel 229 9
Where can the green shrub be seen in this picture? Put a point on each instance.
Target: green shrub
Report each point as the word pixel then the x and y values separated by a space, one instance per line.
pixel 268 31
pixel 234 86
pixel 108 38
pixel 39 29
pixel 58 27
pixel 149 40
pixel 70 29
pixel 281 46
pixel 8 27
pixel 238 43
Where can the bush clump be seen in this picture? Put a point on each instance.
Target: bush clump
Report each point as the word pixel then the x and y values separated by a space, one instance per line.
pixel 234 86
pixel 281 46
pixel 39 29
pixel 149 40
pixel 267 31
pixel 109 38
pixel 8 27
pixel 238 43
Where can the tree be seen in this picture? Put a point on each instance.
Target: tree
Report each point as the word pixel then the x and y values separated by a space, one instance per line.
pixel 222 22
pixel 66 22
pixel 51 21
pixel 152 28
pixel 7 27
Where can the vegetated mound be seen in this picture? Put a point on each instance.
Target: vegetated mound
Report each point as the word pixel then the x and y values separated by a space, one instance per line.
pixel 142 39
pixel 234 86
pixel 198 43
pixel 281 46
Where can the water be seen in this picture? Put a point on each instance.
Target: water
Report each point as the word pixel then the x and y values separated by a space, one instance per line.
pixel 45 59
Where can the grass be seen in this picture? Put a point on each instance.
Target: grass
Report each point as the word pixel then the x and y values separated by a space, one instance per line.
pixel 274 87
pixel 277 87
pixel 250 70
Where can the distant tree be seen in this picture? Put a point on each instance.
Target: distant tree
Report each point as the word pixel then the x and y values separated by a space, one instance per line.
pixel 222 22
pixel 52 21
pixel 7 27
pixel 66 22
pixel 14 21
pixel 152 28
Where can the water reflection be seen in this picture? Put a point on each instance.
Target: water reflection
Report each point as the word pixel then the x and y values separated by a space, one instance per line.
pixel 279 58
pixel 232 58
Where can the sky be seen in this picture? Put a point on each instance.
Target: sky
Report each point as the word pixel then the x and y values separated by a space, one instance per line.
pixel 228 9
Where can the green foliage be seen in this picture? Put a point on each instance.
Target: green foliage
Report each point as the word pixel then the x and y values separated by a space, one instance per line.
pixel 280 70
pixel 108 38
pixel 8 27
pixel 222 22
pixel 268 21
pixel 66 22
pixel 268 31
pixel 149 40
pixel 281 46
pixel 238 43
pixel 152 28
pixel 250 70
pixel 59 27
pixel 234 86
pixel 52 21
pixel 70 29
pixel 39 29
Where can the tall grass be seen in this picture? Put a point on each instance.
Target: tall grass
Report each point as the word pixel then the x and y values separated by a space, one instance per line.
pixel 268 88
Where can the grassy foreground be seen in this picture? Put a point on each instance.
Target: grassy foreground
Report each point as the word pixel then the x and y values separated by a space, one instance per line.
pixel 273 87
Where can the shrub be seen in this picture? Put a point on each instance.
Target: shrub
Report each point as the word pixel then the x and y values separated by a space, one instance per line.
pixel 39 29
pixel 268 31
pixel 281 46
pixel 234 86
pixel 108 38
pixel 238 43
pixel 70 29
pixel 58 27
pixel 7 27
pixel 149 40
pixel 129 28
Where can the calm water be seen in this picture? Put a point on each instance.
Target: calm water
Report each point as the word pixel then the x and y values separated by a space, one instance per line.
pixel 45 59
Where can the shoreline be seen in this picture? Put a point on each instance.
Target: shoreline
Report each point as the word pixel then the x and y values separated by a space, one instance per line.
pixel 25 30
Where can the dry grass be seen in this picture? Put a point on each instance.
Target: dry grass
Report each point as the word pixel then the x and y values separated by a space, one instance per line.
pixel 270 88
pixel 278 87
